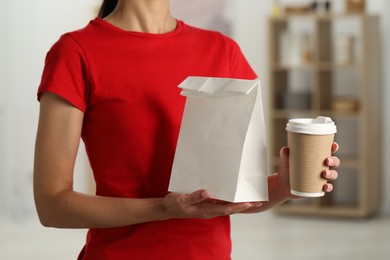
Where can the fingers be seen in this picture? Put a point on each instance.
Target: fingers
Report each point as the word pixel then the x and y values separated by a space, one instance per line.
pixel 328 187
pixel 332 161
pixel 233 208
pixel 229 209
pixel 330 174
pixel 203 207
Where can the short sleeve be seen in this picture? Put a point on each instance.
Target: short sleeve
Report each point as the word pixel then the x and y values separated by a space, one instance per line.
pixel 66 72
pixel 239 66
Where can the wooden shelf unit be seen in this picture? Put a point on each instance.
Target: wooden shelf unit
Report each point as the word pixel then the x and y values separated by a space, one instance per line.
pixel 364 166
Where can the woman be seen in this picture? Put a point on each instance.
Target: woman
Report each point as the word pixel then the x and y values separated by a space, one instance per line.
pixel 114 84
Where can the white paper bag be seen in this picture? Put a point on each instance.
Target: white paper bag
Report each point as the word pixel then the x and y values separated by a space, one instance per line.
pixel 222 140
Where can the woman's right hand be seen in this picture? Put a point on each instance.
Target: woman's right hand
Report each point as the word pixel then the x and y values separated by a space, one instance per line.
pixel 200 205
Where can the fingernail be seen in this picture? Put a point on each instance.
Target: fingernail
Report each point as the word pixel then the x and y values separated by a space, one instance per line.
pixel 326 187
pixel 326 174
pixel 330 161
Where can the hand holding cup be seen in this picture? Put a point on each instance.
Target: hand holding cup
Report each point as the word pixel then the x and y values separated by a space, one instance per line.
pixel 310 144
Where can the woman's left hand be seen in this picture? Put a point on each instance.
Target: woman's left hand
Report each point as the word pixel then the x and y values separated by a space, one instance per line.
pixel 331 174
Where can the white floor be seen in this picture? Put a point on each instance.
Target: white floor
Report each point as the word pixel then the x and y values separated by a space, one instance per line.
pixel 273 237
pixel 262 236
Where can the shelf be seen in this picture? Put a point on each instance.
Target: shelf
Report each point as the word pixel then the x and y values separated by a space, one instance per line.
pixel 320 66
pixel 327 91
pixel 289 113
pixel 320 17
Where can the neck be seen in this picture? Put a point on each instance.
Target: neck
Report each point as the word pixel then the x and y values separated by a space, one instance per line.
pixel 150 16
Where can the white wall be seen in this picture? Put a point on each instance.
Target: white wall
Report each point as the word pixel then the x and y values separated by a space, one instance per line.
pixel 2 113
pixel 28 30
pixel 250 30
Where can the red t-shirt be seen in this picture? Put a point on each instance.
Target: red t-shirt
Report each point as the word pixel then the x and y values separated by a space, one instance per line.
pixel 126 85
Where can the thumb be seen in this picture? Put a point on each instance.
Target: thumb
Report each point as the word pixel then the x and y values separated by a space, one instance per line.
pixel 198 196
pixel 284 156
pixel 284 152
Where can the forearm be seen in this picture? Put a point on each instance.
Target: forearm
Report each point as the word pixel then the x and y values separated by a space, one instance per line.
pixel 58 205
pixel 277 195
pixel 70 209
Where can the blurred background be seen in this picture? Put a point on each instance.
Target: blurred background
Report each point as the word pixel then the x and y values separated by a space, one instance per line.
pixel 311 230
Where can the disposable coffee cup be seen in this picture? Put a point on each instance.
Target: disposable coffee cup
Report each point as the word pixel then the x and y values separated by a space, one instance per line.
pixel 310 143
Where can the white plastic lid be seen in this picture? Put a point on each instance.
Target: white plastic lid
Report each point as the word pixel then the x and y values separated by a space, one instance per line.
pixel 316 126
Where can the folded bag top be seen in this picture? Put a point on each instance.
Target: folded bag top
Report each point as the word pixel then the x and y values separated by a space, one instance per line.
pixel 216 87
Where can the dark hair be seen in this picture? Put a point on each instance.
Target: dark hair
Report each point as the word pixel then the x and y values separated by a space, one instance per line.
pixel 107 7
